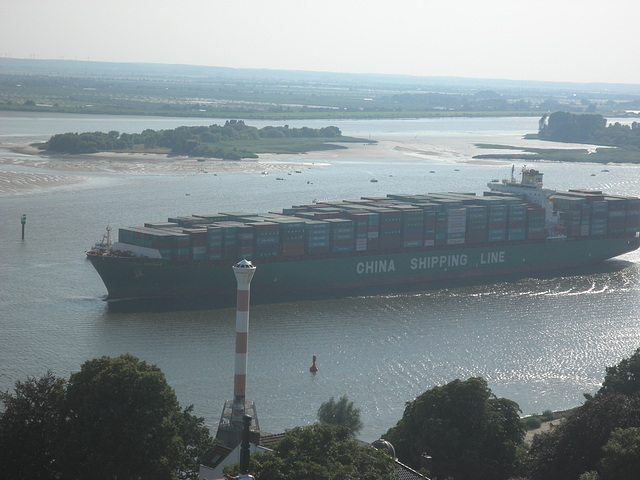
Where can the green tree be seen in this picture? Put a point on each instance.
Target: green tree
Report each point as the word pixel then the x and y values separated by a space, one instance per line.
pixel 343 412
pixel 592 475
pixel 124 421
pixel 330 131
pixel 587 128
pixel 596 435
pixel 115 418
pixel 622 455
pixel 320 452
pixel 469 433
pixel 623 378
pixel 29 425
pixel 576 445
pixel 542 122
pixel 196 441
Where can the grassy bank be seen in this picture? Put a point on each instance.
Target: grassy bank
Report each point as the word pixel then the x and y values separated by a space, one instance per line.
pixel 600 155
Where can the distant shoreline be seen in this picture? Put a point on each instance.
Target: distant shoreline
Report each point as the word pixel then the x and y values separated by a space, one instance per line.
pixel 277 117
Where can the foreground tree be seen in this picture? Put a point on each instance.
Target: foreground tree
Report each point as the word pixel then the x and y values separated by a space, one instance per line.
pixel 116 418
pixel 597 436
pixel 622 455
pixel 343 412
pixel 469 433
pixel 320 452
pixel 576 445
pixel 29 426
pixel 624 377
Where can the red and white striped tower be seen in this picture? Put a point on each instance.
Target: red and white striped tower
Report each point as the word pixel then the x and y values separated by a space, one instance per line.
pixel 231 425
pixel 243 271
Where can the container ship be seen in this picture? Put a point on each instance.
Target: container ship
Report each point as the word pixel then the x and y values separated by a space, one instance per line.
pixel 372 243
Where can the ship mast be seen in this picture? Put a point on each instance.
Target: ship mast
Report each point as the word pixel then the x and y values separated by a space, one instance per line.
pixel 108 235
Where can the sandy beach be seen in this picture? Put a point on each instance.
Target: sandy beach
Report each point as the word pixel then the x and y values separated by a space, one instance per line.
pixel 70 168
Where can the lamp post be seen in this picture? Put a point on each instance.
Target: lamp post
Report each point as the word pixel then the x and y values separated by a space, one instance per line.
pixel 244 449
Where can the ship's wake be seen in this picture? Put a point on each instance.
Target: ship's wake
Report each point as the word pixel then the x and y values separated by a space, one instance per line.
pixel 608 278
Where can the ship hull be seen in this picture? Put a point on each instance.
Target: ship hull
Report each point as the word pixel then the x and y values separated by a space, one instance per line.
pixel 135 277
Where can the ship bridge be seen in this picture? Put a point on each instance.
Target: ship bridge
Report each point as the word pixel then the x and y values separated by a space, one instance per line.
pixel 530 189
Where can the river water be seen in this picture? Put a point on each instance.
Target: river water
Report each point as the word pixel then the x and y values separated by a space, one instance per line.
pixel 541 342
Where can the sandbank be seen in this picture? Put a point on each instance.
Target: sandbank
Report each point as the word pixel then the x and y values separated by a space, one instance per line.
pixel 70 168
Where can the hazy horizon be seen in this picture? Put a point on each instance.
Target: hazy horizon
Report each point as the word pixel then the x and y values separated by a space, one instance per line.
pixel 568 41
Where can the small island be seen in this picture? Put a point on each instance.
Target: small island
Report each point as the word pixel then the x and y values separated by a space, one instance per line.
pixel 233 141
pixel 620 143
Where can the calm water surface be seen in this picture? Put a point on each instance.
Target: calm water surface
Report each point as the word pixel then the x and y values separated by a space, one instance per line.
pixel 541 342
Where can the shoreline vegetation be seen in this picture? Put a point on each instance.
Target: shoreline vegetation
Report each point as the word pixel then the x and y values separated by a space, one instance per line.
pixel 613 143
pixel 233 141
pixel 602 155
pixel 236 140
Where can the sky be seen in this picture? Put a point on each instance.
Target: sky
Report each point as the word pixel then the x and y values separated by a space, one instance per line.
pixel 549 40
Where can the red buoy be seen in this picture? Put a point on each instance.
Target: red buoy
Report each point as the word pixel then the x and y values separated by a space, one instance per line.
pixel 314 367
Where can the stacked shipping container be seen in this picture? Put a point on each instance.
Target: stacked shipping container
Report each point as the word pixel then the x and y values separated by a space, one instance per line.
pixel 395 222
pixel 591 213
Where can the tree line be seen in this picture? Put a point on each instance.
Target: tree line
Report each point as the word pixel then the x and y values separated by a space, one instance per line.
pixel 118 418
pixel 214 141
pixel 588 128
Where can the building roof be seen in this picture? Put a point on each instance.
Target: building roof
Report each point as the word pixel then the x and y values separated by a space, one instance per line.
pixel 269 440
pixel 406 473
pixel 216 455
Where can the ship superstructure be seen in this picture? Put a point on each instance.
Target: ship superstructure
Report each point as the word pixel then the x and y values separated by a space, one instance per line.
pixel 530 189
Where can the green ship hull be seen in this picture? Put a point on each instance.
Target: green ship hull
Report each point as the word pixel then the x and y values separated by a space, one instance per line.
pixel 343 274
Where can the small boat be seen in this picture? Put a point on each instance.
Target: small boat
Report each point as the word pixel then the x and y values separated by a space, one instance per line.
pixel 373 180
